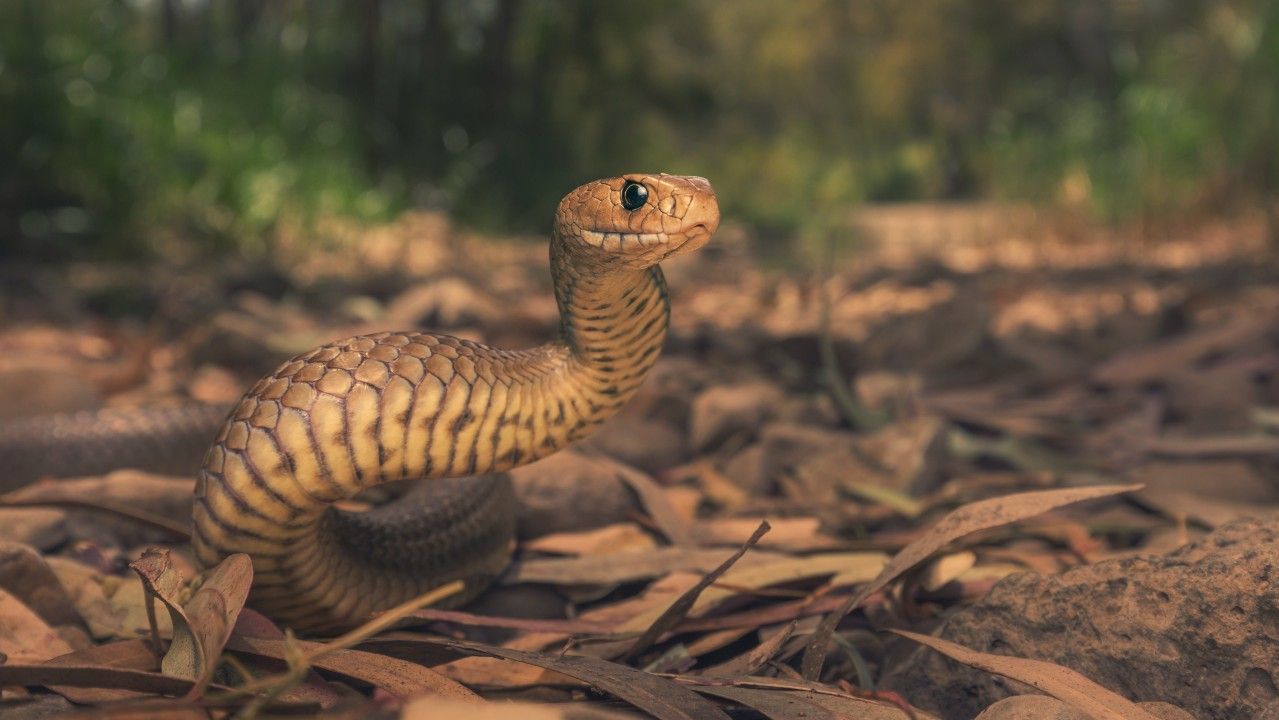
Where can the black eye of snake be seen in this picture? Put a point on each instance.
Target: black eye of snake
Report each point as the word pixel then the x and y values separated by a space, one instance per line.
pixel 634 195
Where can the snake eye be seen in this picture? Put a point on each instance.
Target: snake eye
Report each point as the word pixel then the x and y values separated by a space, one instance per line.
pixel 634 195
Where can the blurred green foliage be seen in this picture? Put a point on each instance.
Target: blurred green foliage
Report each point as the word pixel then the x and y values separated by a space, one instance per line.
pixel 126 124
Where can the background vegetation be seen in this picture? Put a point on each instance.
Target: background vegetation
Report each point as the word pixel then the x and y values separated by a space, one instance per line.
pixel 128 124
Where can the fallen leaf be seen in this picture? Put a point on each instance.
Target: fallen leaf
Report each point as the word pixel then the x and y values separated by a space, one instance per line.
pixel 616 568
pixel 610 539
pixel 95 676
pixel 202 625
pixel 946 568
pixel 965 520
pixel 1060 682
pixel 844 569
pixel 398 677
pixel 798 534
pixel 25 574
pixel 749 662
pixel 114 608
pixel 24 637
pixel 655 695
pixel 653 497
pixel 684 603
pixel 126 654
pixel 780 699
pixel 430 708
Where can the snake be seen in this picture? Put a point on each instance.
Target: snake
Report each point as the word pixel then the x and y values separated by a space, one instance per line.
pixel 445 415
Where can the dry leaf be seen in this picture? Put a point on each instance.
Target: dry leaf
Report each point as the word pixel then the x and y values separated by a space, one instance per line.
pixel 431 708
pixel 798 534
pixel 655 695
pixel 615 538
pixel 1062 683
pixel 845 569
pixel 748 662
pixel 946 568
pixel 24 637
pixel 202 625
pixel 616 568
pixel 398 677
pixel 980 515
pixel 127 654
pixel 781 699
pixel 654 499
pixel 684 603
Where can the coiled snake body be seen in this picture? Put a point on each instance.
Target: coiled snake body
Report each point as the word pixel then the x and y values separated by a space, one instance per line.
pixel 394 406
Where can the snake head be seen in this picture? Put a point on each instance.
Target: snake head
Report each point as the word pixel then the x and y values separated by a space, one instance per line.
pixel 638 220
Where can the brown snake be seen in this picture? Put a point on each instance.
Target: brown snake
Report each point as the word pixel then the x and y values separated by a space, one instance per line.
pixel 341 418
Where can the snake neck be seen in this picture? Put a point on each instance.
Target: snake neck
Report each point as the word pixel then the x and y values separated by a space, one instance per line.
pixel 613 323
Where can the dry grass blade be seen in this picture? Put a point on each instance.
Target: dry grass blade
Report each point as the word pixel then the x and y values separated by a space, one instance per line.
pixel 980 515
pixel 679 609
pixel 655 695
pixel 1062 683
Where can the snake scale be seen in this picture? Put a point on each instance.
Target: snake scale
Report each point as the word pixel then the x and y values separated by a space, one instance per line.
pixel 395 406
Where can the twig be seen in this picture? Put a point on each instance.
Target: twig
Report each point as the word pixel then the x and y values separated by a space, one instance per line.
pixel 679 609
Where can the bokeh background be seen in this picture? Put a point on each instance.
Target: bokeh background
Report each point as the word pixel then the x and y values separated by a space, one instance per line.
pixel 128 127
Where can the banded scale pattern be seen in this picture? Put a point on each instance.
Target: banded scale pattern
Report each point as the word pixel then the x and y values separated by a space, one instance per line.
pixel 401 406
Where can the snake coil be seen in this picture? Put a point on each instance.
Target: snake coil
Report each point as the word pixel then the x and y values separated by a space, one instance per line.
pixel 399 406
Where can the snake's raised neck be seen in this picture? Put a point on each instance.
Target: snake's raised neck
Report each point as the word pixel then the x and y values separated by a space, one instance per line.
pixel 393 406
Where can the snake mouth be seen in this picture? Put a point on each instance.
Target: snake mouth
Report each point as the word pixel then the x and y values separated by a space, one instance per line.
pixel 624 242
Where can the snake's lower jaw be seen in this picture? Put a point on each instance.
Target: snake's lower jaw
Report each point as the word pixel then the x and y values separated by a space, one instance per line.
pixel 697 237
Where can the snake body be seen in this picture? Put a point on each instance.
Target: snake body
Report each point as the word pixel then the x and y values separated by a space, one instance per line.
pixel 407 405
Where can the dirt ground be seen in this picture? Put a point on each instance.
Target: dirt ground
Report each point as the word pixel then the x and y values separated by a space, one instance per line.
pixel 964 395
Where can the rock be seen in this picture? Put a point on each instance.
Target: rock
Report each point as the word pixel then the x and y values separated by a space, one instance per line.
pixel 28 578
pixel 723 411
pixel 569 491
pixel 1042 707
pixel 1195 628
